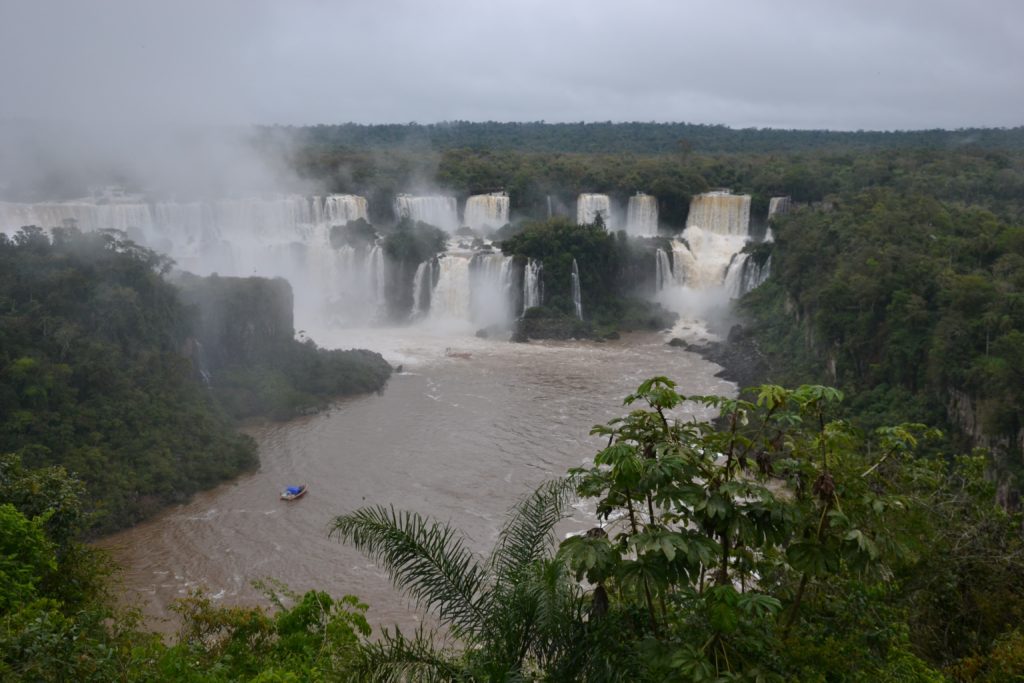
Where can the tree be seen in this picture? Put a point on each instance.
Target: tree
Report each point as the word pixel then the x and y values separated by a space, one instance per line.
pixel 516 613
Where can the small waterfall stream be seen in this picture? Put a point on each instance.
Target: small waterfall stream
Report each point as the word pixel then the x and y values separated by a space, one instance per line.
pixel 577 301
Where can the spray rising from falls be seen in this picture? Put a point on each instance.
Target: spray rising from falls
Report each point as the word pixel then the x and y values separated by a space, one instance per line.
pixel 463 285
pixel 642 215
pixel 285 236
pixel 487 211
pixel 708 257
pixel 590 206
pixel 437 210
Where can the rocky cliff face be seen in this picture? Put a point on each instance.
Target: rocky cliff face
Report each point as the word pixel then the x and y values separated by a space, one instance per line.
pixel 966 414
pixel 239 320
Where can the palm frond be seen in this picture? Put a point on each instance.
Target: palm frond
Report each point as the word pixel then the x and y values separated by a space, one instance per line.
pixel 529 532
pixel 427 560
pixel 398 659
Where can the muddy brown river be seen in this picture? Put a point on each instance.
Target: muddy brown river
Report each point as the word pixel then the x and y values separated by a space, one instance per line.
pixel 458 437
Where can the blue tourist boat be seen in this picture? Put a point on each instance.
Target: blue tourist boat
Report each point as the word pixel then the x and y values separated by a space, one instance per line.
pixel 294 492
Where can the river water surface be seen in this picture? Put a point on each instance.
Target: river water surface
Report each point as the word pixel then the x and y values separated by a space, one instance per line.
pixel 458 437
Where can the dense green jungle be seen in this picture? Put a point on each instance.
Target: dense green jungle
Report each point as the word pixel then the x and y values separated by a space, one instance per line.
pixel 854 515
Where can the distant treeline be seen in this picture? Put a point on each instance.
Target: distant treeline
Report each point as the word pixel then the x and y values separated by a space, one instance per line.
pixel 639 137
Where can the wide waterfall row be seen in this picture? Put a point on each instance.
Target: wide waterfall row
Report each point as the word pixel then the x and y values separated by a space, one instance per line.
pixel 288 217
pixel 642 215
pixel 487 211
pixel 590 206
pixel 722 213
pixel 437 210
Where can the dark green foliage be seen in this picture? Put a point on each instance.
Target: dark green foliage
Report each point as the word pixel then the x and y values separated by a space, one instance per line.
pixel 414 242
pixel 92 377
pixel 611 270
pixel 637 137
pixel 316 638
pixel 916 303
pixel 357 233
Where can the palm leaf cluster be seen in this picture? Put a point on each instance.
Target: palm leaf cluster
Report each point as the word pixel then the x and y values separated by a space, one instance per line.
pixel 516 612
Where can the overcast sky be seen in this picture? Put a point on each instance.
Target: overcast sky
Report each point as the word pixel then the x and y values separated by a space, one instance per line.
pixel 822 64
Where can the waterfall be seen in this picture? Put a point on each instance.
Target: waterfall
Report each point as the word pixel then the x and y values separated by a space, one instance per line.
pixel 733 281
pixel 708 255
pixel 642 215
pixel 490 288
pixel 284 236
pixel 549 208
pixel 662 270
pixel 439 211
pixel 701 259
pixel 576 299
pixel 533 294
pixel 755 275
pixel 378 275
pixel 422 283
pixel 339 209
pixel 590 206
pixel 722 213
pixel 487 211
pixel 85 215
pixel 779 205
pixel 450 298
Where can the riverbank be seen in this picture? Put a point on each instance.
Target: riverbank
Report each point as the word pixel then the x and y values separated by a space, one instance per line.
pixel 740 356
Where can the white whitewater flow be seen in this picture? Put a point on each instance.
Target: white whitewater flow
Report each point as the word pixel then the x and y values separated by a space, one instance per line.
pixel 708 266
pixel 491 288
pixel 467 286
pixel 338 209
pixel 590 206
pixel 533 293
pixel 284 236
pixel 437 210
pixel 487 211
pixel 422 284
pixel 662 270
pixel 577 299
pixel 450 300
pixel 642 215
pixel 723 213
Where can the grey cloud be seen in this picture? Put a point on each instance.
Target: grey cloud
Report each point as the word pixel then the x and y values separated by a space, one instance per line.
pixel 869 64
